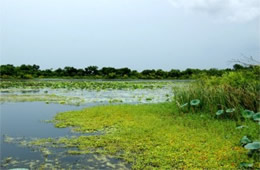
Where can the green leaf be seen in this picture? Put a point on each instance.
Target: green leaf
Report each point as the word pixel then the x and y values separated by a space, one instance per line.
pixel 247 114
pixel 245 140
pixel 252 146
pixel 230 110
pixel 246 165
pixel 256 116
pixel 195 102
pixel 219 112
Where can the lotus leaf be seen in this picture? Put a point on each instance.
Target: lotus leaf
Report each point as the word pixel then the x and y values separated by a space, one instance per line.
pixel 256 116
pixel 247 113
pixel 195 102
pixel 245 140
pixel 219 112
pixel 253 146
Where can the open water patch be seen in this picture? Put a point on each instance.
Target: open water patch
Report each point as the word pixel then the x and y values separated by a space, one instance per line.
pixel 24 122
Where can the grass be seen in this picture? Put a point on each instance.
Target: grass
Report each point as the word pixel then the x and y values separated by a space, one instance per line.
pixel 157 136
pixel 234 90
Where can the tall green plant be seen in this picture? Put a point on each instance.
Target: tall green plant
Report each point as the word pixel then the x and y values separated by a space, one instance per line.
pixel 237 90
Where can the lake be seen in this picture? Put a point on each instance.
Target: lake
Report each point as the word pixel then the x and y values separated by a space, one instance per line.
pixel 24 117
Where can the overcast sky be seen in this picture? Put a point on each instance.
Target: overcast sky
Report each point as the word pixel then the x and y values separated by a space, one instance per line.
pixel 139 34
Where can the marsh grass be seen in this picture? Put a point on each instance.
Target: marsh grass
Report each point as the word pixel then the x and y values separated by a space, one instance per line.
pixel 234 90
pixel 157 136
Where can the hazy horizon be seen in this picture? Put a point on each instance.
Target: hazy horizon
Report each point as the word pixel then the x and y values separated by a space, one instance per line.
pixel 146 34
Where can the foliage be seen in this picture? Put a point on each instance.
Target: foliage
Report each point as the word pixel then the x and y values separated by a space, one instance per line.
pixel 92 72
pixel 232 92
pixel 156 136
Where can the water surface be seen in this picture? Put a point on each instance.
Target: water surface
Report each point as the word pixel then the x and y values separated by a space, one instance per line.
pixel 26 121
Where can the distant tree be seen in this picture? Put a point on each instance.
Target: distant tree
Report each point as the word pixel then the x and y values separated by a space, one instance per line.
pixel 123 72
pixel 238 67
pixel 47 73
pixel 174 73
pixel 70 71
pixel 59 72
pixel 214 72
pixel 91 70
pixel 8 70
pixel 160 74
pixel 105 71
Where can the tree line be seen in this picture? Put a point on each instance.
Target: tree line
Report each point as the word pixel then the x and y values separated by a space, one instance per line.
pixel 93 72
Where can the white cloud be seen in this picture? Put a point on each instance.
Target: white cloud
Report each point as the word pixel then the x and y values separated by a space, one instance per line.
pixel 231 10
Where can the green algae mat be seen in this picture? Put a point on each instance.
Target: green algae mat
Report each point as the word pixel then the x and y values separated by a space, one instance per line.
pixel 155 136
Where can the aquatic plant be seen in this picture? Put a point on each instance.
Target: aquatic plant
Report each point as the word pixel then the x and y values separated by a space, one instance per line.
pixel 137 136
pixel 235 91
pixel 247 114
pixel 252 146
pixel 195 102
pixel 219 112
pixel 256 117
pixel 245 140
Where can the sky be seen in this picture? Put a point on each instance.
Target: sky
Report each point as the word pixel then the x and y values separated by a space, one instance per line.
pixel 139 34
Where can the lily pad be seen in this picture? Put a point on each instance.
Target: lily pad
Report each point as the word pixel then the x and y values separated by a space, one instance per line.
pixel 219 112
pixel 195 102
pixel 230 110
pixel 245 140
pixel 252 146
pixel 256 116
pixel 247 114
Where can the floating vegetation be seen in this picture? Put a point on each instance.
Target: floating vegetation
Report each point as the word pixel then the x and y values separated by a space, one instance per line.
pixel 56 155
pixel 95 92
pixel 135 136
pixel 86 85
